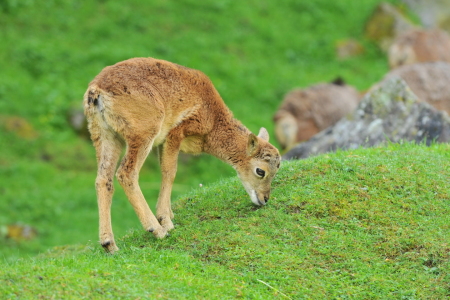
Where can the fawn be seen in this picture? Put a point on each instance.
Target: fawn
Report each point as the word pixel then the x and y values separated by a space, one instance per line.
pixel 142 103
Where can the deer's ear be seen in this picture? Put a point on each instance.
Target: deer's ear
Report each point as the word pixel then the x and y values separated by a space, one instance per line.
pixel 252 145
pixel 263 134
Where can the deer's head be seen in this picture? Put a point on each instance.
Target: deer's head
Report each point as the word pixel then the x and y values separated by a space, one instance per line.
pixel 257 171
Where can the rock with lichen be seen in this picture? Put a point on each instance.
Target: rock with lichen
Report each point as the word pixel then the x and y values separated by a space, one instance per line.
pixel 429 81
pixel 385 23
pixel 392 112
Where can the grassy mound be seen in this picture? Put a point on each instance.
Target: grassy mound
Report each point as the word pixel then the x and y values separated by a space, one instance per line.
pixel 362 224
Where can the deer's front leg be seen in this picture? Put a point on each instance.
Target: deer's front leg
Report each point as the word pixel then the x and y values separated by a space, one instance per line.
pixel 168 161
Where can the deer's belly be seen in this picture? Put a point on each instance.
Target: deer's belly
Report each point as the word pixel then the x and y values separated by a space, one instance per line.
pixel 192 145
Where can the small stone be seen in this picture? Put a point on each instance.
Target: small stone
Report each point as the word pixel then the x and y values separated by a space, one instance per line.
pixel 348 48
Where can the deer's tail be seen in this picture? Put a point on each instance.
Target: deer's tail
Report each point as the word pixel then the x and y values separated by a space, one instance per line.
pixel 94 104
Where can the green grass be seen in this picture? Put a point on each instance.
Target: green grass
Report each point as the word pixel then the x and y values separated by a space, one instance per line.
pixel 365 224
pixel 362 224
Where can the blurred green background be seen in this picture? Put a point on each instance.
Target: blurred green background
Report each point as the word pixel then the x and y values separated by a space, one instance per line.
pixel 253 51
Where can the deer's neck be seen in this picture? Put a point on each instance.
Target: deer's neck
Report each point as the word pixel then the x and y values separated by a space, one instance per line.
pixel 228 140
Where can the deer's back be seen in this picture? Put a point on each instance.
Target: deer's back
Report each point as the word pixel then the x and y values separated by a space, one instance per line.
pixel 151 78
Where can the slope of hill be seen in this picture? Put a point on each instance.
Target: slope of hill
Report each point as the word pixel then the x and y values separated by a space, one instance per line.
pixel 363 224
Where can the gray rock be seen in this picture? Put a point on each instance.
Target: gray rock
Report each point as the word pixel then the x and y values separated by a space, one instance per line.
pixel 385 23
pixel 429 81
pixel 392 112
pixel 432 13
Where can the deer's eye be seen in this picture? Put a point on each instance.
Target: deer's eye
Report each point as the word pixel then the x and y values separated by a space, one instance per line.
pixel 260 172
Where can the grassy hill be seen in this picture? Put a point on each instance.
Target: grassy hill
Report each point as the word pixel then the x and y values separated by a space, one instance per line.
pixel 363 224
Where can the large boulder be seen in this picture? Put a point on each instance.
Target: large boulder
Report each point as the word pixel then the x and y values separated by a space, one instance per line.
pixel 429 81
pixel 385 23
pixel 419 45
pixel 392 112
pixel 305 112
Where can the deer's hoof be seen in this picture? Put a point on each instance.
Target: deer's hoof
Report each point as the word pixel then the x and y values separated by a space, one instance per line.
pixel 160 232
pixel 167 223
pixel 110 247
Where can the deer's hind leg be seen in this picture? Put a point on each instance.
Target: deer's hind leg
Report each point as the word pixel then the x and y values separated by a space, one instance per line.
pixel 138 147
pixel 108 149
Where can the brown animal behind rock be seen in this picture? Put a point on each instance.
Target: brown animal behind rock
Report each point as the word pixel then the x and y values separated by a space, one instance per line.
pixel 142 103
pixel 429 81
pixel 419 45
pixel 305 112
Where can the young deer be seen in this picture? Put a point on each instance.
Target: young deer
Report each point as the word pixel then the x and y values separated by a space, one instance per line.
pixel 145 103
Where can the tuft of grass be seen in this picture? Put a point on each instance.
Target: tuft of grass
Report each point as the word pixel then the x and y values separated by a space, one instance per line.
pixel 362 224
